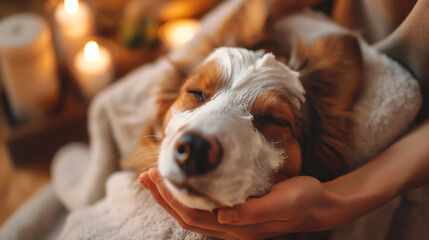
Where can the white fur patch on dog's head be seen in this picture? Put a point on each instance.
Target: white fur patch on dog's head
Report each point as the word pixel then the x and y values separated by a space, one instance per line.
pixel 251 72
pixel 248 159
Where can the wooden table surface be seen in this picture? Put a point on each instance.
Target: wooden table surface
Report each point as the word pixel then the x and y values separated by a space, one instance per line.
pixel 17 185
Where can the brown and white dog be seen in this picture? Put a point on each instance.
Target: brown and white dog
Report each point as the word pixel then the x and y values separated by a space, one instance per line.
pixel 244 120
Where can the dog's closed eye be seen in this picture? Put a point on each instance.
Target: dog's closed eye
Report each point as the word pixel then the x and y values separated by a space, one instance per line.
pixel 201 97
pixel 270 119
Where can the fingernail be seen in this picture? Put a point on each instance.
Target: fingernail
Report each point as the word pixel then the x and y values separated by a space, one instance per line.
pixel 143 179
pixel 227 215
pixel 153 176
pixel 152 171
pixel 141 176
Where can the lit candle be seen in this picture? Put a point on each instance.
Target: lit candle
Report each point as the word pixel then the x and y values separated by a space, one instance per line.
pixel 28 65
pixel 74 23
pixel 93 68
pixel 176 33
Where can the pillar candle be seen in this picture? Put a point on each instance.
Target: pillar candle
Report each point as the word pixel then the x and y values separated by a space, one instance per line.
pixel 74 23
pixel 28 64
pixel 93 68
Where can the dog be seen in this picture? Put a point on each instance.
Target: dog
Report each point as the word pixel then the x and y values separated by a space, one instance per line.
pixel 245 120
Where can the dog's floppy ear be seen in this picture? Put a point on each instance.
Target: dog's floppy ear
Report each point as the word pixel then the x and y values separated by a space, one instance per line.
pixel 331 73
pixel 331 67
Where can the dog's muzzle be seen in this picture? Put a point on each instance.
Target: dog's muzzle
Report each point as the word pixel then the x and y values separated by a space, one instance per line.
pixel 197 154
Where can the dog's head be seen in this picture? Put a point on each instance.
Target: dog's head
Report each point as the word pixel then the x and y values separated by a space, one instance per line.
pixel 226 133
pixel 242 120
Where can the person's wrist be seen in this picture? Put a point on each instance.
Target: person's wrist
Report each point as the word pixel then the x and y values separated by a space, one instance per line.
pixel 324 211
pixel 334 206
pixel 347 200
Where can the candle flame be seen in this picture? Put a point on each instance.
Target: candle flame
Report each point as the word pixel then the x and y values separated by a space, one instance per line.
pixel 91 50
pixel 71 6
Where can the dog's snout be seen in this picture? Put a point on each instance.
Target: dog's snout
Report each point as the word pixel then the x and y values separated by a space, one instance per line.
pixel 197 154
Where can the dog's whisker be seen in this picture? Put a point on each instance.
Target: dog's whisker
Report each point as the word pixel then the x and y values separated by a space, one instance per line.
pixel 149 149
pixel 146 155
pixel 154 137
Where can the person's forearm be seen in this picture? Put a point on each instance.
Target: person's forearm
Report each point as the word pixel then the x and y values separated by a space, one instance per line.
pixel 402 167
pixel 281 7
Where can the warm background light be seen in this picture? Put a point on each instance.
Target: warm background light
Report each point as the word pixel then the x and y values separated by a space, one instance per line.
pixel 71 6
pixel 91 50
pixel 178 32
pixel 73 21
pixel 93 68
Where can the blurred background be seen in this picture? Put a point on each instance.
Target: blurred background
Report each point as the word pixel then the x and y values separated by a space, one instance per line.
pixel 55 57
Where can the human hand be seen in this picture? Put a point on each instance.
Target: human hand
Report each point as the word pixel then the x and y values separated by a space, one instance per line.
pixel 299 204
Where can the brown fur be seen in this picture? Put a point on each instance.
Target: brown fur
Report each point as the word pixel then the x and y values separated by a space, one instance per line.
pixel 206 79
pixel 331 73
pixel 272 106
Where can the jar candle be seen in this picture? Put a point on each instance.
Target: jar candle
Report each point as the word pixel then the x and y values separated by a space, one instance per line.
pixel 28 65
pixel 93 68
pixel 74 22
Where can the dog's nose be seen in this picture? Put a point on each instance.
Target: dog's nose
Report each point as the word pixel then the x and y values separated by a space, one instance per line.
pixel 196 154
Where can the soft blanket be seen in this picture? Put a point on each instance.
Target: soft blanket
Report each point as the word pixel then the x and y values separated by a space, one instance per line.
pixel 105 204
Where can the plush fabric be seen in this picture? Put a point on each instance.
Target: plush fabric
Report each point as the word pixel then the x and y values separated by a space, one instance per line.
pixel 125 213
pixel 42 217
pixel 387 107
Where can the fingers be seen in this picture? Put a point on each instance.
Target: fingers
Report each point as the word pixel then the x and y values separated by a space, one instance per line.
pixel 165 199
pixel 191 216
pixel 295 202
pixel 253 211
pixel 282 203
